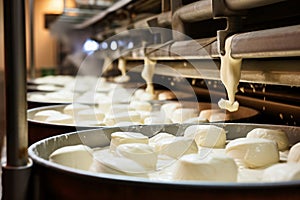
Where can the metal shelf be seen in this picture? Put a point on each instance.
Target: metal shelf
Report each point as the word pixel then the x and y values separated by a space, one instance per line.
pixel 276 72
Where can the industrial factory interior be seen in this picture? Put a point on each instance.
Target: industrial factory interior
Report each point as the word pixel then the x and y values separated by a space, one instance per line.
pixel 150 99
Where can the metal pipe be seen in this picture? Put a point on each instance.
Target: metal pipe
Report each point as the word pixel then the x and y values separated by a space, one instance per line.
pixel 15 77
pixel 276 42
pixel 197 11
pixel 247 4
pixel 16 170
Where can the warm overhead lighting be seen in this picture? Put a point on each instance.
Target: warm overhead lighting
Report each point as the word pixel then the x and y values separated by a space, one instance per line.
pixel 113 45
pixel 54 6
pixel 104 45
pixel 90 46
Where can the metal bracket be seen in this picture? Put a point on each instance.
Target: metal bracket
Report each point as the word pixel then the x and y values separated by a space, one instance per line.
pixel 233 25
pixel 233 18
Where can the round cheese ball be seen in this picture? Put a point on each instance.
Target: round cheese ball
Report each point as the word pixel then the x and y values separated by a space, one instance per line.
pixel 210 168
pixel 141 153
pixel 118 138
pixel 277 136
pixel 168 109
pixel 89 114
pixel 253 152
pixel 207 135
pixel 182 114
pixel 131 116
pixel 294 154
pixel 44 114
pixel 176 147
pixel 60 119
pixel 77 156
pixel 159 137
pixel 140 106
pixel 74 108
pixel 282 172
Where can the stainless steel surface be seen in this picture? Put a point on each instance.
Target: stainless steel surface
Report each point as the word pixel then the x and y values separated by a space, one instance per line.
pixel 73 182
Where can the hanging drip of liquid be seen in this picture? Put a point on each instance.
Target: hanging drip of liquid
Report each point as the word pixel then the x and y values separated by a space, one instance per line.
pixel 147 74
pixel 230 77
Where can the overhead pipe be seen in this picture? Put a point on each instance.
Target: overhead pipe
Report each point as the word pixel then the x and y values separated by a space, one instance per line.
pixel 197 11
pixel 247 4
pixel 17 169
pixel 203 10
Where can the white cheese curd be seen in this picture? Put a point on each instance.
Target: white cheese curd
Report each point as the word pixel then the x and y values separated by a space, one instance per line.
pixel 282 172
pixel 140 106
pixel 112 119
pixel 230 77
pixel 118 138
pixel 89 115
pixel 206 114
pixel 107 162
pixel 294 154
pixel 141 153
pixel 156 120
pixel 195 120
pixel 166 95
pixel 246 175
pixel 253 152
pixel 105 104
pixel 37 98
pixel 60 96
pixel 50 79
pixel 160 136
pixel 218 117
pixel 103 86
pixel 60 119
pixel 147 96
pixel 90 98
pixel 119 108
pixel 176 147
pixel 144 115
pixel 168 109
pixel 89 123
pixel 226 104
pixel 207 135
pixel 74 108
pixel 181 114
pixel 137 93
pixel 44 114
pixel 49 88
pixel 277 136
pixel 120 95
pixel 77 156
pixel 210 168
